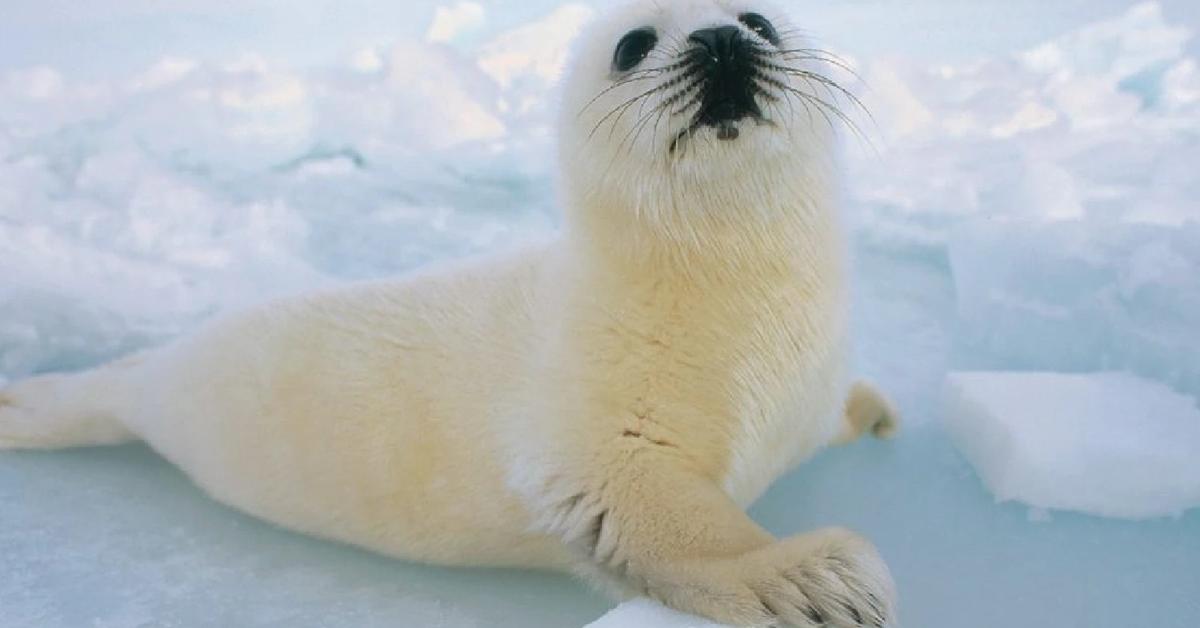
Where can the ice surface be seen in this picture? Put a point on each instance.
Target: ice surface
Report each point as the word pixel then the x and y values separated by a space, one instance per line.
pixel 116 537
pixel 1028 209
pixel 1108 444
pixel 647 614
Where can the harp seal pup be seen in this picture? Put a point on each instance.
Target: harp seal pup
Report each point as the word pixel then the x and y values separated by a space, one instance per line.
pixel 607 402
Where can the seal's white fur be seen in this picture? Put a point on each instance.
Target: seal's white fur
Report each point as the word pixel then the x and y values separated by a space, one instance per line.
pixel 603 402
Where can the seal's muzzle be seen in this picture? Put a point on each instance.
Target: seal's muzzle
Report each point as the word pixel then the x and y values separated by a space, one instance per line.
pixel 727 59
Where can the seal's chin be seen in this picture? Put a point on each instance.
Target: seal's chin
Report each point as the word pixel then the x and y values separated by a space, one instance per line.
pixel 726 128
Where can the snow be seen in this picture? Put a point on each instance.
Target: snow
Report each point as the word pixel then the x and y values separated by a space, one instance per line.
pixel 1080 296
pixel 1030 205
pixel 647 614
pixel 1108 444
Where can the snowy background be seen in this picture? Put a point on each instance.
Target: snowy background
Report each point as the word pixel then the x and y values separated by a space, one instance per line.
pixel 1030 203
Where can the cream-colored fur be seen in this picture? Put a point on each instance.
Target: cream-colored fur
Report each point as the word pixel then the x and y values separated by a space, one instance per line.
pixel 605 403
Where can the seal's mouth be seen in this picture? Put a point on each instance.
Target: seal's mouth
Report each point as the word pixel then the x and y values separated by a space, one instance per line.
pixel 725 115
pixel 726 119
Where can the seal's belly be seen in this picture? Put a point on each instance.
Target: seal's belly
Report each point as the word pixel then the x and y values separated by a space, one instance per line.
pixel 346 423
pixel 389 485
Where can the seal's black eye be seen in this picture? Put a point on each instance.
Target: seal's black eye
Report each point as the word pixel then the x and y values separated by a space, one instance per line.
pixel 633 49
pixel 761 26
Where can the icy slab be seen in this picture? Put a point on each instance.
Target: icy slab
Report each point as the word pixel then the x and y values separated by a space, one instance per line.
pixel 648 614
pixel 1107 444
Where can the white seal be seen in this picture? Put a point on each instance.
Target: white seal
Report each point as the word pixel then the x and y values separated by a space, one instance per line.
pixel 607 402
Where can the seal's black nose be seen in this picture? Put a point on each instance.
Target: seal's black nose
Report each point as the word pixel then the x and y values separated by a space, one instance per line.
pixel 721 42
pixel 727 62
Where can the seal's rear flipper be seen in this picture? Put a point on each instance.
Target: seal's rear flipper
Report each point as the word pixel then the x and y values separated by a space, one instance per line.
pixel 60 411
pixel 868 410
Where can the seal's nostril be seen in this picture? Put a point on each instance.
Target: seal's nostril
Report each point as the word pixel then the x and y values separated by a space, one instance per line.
pixel 720 42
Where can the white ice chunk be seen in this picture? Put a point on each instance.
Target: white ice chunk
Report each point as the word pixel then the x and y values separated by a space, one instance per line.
pixel 1107 444
pixel 648 614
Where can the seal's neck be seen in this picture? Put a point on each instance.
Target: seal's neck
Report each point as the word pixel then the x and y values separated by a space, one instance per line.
pixel 732 236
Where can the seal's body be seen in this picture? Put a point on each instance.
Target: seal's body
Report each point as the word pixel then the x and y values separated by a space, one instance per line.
pixel 606 402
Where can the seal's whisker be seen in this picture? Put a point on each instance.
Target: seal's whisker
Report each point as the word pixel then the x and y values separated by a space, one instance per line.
pixel 675 57
pixel 816 54
pixel 790 97
pixel 641 117
pixel 845 68
pixel 682 94
pixel 827 108
pixel 661 114
pixel 638 127
pixel 691 102
pixel 677 44
pixel 664 107
pixel 808 77
pixel 684 68
pixel 817 51
pixel 794 30
pixel 616 85
pixel 623 107
pixel 765 94
pixel 829 84
pixel 687 73
pixel 809 99
pixel 832 87
pixel 760 77
pixel 640 75
pixel 688 132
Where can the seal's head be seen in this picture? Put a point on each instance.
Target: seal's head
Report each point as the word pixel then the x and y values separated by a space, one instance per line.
pixel 683 109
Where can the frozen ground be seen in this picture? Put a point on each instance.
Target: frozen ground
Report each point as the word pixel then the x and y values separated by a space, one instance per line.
pixel 643 613
pixel 1032 206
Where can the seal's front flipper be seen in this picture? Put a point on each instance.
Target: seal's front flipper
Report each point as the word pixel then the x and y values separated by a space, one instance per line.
pixel 669 533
